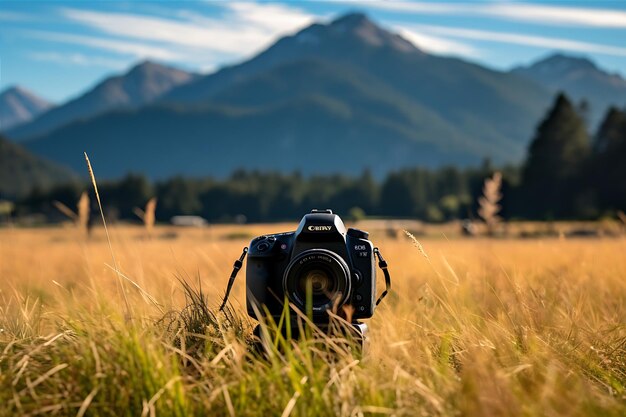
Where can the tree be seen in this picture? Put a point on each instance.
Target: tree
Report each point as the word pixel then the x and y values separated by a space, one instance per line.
pixel 610 135
pixel 395 196
pixel 177 196
pixel 130 192
pixel 609 156
pixel 556 158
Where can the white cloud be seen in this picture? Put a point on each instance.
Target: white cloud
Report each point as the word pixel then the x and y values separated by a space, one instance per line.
pixel 559 15
pixel 122 47
pixel 244 29
pixel 438 44
pixel 78 59
pixel 533 13
pixel 522 39
pixel 271 17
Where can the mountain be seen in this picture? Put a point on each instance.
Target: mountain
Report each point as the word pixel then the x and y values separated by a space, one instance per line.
pixel 580 79
pixel 345 39
pixel 311 132
pixel 499 108
pixel 139 86
pixel 18 105
pixel 21 171
pixel 335 97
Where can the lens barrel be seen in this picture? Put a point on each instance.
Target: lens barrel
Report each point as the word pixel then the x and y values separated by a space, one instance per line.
pixel 322 272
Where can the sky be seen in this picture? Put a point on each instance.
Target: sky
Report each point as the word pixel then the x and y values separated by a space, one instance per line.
pixel 59 49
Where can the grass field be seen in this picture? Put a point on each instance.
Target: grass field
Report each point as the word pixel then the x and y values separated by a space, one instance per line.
pixel 473 327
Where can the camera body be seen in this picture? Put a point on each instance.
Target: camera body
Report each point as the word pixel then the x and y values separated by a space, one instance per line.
pixel 319 267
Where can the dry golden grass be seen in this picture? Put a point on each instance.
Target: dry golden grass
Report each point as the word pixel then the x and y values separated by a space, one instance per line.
pixel 481 327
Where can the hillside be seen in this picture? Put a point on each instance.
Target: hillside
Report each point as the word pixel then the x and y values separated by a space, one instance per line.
pixel 18 105
pixel 363 96
pixel 313 134
pixel 20 171
pixel 139 86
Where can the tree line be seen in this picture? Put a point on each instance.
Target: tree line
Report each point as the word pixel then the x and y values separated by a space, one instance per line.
pixel 568 173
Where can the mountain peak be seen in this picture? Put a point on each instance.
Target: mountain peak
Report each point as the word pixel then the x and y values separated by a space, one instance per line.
pixel 580 78
pixel 352 19
pixel 150 67
pixel 13 89
pixel 19 105
pixel 140 85
pixel 146 63
pixel 355 26
pixel 17 89
pixel 562 62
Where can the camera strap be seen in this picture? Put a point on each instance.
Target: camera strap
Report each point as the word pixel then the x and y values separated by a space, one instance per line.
pixel 236 267
pixel 382 264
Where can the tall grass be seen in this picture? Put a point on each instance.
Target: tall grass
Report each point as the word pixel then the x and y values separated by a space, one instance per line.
pixel 476 327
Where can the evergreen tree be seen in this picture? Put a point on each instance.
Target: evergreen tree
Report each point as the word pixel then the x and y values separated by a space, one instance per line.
pixel 555 162
pixel 395 196
pixel 123 196
pixel 177 196
pixel 610 135
pixel 609 161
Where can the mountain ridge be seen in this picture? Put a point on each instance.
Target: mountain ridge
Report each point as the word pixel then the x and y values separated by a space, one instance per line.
pixel 581 79
pixel 140 85
pixel 19 105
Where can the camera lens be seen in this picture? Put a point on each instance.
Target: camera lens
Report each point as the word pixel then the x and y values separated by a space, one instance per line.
pixel 319 282
pixel 320 276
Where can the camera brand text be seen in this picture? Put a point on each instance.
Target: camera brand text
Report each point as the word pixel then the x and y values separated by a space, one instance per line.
pixel 319 228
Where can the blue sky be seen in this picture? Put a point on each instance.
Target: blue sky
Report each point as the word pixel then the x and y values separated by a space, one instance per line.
pixel 60 48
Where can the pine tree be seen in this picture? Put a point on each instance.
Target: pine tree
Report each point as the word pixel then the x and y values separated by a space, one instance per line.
pixel 395 196
pixel 609 156
pixel 555 163
pixel 611 131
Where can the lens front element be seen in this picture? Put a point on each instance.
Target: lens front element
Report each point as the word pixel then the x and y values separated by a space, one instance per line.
pixel 323 274
pixel 319 282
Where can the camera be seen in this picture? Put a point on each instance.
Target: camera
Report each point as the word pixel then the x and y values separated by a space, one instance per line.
pixel 320 267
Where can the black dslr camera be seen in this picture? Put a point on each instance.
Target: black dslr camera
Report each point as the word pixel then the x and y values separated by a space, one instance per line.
pixel 320 267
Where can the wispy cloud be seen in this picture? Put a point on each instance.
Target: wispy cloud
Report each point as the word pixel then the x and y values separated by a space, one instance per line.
pixel 521 39
pixel 437 44
pixel 77 59
pixel 122 47
pixel 528 12
pixel 273 18
pixel 244 29
pixel 560 15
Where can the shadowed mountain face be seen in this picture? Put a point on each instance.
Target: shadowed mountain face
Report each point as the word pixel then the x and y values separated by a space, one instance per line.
pixel 20 171
pixel 580 79
pixel 337 97
pixel 18 105
pixel 139 86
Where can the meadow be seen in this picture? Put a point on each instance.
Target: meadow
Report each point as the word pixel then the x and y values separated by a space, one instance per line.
pixel 472 327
